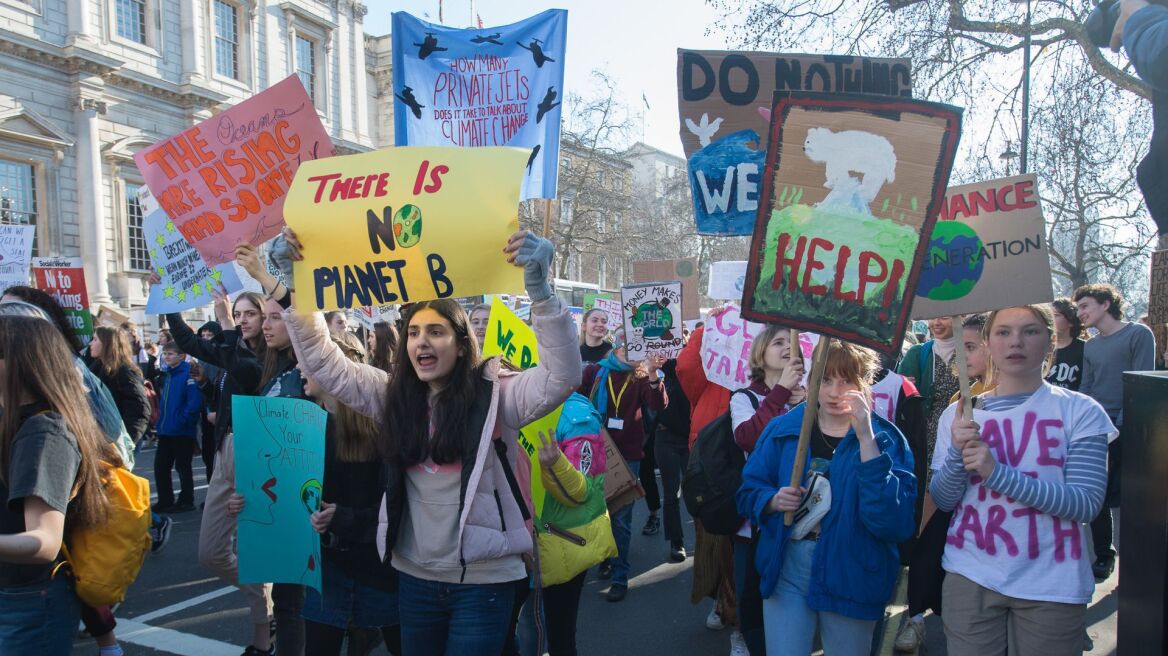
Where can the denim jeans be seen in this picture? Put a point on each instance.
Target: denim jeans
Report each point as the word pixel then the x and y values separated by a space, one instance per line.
pixel 622 532
pixel 790 624
pixel 453 619
pixel 39 619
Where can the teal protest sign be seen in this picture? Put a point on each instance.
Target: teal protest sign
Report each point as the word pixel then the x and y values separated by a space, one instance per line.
pixel 279 470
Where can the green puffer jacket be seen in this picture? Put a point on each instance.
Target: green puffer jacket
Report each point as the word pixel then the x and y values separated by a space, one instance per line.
pixel 574 532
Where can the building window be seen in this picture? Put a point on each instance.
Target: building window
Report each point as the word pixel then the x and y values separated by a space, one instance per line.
pixel 565 164
pixel 18 194
pixel 618 183
pixel 130 16
pixel 139 251
pixel 226 39
pixel 306 64
pixel 603 281
pixel 566 211
pixel 600 223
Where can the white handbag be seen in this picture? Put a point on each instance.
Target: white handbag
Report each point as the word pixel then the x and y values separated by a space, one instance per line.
pixel 814 505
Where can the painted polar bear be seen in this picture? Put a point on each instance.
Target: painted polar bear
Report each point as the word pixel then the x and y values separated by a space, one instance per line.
pixel 848 151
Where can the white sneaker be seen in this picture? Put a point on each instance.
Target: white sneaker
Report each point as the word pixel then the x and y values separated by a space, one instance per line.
pixel 738 644
pixel 714 620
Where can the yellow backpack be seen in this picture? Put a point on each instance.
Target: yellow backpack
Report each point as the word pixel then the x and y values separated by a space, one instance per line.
pixel 105 560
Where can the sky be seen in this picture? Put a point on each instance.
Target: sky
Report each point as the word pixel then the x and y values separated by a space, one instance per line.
pixel 629 40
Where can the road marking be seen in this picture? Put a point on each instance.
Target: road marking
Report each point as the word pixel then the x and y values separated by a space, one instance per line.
pixel 183 605
pixel 172 642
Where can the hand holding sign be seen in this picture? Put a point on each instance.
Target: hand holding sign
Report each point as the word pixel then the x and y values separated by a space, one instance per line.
pixel 323 518
pixel 964 431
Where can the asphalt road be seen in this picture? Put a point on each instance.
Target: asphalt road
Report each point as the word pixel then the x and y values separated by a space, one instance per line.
pixel 176 607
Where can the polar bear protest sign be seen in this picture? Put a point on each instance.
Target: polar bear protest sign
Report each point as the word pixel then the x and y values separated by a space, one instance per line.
pixel 852 182
pixel 724 98
pixel 652 319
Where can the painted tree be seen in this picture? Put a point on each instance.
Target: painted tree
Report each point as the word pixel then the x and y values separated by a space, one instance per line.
pixel 1090 113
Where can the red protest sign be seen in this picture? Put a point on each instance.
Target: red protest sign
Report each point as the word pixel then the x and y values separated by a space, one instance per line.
pixel 64 279
pixel 224 180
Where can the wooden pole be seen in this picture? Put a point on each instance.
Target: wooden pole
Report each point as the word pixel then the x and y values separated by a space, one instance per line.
pixel 962 369
pixel 547 217
pixel 818 364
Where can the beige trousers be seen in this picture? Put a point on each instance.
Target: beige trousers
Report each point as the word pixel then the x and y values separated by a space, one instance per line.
pixel 217 535
pixel 981 622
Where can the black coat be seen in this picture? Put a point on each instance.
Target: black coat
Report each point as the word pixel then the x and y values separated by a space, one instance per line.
pixel 128 388
pixel 228 351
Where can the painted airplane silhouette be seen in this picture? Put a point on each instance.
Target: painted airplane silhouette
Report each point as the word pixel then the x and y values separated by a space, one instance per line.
pixel 536 49
pixel 546 105
pixel 407 96
pixel 534 152
pixel 490 38
pixel 428 46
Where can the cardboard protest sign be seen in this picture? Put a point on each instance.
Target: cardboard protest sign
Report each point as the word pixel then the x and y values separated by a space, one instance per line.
pixel 187 282
pixel 987 251
pixel 15 254
pixel 725 103
pixel 494 86
pixel 401 225
pixel 64 279
pixel 652 319
pixel 684 269
pixel 852 184
pixel 727 280
pixel 224 180
pixel 612 309
pixel 509 337
pixel 279 472
pixel 1158 290
pixel 726 343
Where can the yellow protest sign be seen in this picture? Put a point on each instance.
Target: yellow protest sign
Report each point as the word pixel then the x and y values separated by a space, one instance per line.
pixel 529 442
pixel 402 225
pixel 509 337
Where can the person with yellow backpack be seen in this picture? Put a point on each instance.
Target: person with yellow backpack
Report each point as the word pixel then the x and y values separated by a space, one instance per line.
pixel 54 463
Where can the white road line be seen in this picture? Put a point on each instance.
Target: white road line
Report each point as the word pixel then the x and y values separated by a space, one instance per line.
pixel 181 606
pixel 172 642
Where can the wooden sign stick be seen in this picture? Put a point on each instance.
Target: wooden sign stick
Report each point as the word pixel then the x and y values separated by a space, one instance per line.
pixel 547 217
pixel 818 364
pixel 962 370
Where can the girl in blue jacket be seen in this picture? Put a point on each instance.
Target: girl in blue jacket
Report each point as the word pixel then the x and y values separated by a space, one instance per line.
pixel 839 574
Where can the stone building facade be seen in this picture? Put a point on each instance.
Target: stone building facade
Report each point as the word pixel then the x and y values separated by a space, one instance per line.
pixel 86 83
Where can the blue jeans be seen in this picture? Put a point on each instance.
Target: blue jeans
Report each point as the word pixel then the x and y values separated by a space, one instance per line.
pixel 790 624
pixel 622 532
pixel 39 619
pixel 453 619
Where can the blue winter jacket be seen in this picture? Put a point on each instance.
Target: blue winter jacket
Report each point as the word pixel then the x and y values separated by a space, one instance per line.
pixel 180 403
pixel 872 509
pixel 1145 37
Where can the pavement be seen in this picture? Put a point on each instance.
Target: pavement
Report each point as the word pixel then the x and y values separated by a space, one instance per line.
pixel 176 607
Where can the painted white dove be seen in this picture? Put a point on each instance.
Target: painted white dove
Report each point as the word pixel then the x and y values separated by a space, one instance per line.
pixel 703 130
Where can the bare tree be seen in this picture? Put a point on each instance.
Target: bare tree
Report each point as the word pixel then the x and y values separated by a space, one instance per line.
pixel 589 215
pixel 1090 113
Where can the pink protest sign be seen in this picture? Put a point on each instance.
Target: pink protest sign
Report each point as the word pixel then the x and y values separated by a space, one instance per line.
pixel 223 181
pixel 726 344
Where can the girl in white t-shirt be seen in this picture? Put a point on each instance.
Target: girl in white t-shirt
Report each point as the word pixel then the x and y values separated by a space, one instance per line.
pixel 1022 477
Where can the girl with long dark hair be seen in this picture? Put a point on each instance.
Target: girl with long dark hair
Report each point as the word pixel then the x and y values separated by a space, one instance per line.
pixel 453 513
pixel 111 360
pixel 240 353
pixel 382 344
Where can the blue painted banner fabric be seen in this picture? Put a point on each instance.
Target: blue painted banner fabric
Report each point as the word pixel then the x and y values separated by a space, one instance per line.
pixel 494 86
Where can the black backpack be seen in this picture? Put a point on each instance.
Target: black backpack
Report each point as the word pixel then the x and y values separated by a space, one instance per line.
pixel 714 474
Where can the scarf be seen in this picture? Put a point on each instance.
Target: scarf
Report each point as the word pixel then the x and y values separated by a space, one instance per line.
pixel 945 348
pixel 609 364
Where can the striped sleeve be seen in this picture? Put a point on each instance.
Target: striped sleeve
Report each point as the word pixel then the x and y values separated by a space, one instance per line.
pixel 1079 498
pixel 949 481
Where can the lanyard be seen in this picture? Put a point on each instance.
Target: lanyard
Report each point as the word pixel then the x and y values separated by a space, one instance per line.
pixel 617 397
